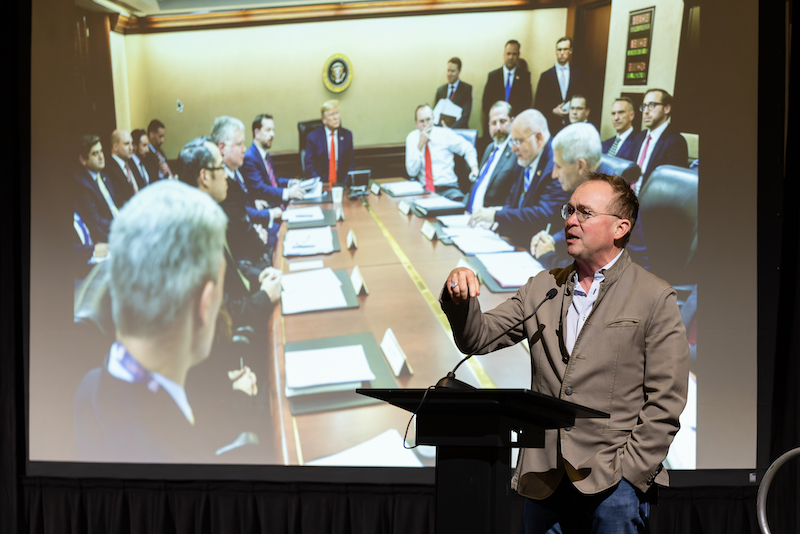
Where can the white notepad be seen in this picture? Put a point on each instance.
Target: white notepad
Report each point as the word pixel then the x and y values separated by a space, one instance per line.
pixel 319 289
pixel 510 269
pixel 308 242
pixel 333 365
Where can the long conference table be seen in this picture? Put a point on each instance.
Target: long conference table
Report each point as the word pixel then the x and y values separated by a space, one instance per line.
pixel 404 272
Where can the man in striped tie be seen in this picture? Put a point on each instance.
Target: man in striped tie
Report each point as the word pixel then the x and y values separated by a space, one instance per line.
pixel 622 115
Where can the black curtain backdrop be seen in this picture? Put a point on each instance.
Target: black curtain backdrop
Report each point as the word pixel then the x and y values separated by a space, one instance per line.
pixel 47 505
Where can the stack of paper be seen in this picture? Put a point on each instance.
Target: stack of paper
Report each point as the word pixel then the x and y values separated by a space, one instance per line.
pixel 408 187
pixel 511 269
pixel 454 220
pixel 436 202
pixel 385 450
pixel 323 367
pixel 481 244
pixel 313 213
pixel 308 241
pixel 466 231
pixel 314 290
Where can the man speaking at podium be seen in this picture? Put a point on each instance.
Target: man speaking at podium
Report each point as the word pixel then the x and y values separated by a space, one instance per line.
pixel 612 339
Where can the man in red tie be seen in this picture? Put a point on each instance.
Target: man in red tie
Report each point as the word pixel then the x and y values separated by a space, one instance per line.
pixel 661 143
pixel 122 171
pixel 259 172
pixel 329 150
pixel 429 155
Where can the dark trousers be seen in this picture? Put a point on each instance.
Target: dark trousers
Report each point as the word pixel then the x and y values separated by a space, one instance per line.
pixel 619 510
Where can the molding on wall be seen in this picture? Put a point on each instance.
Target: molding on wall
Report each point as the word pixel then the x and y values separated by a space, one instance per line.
pixel 311 13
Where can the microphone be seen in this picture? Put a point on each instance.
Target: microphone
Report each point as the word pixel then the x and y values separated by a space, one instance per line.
pixel 450 381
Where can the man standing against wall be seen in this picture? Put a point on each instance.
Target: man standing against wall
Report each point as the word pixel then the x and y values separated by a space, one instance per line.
pixel 457 91
pixel 556 87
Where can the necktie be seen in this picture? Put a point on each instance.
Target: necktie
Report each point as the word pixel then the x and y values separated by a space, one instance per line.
pixel 332 160
pixel 484 172
pixel 613 150
pixel 562 79
pixel 643 155
pixel 508 86
pixel 428 170
pixel 271 174
pixel 131 179
pixel 143 172
pixel 527 185
pixel 452 90
pixel 106 195
pixel 241 181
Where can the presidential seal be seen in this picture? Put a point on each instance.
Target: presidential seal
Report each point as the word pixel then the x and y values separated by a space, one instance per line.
pixel 337 73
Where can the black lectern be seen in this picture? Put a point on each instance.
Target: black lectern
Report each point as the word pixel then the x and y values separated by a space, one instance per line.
pixel 474 431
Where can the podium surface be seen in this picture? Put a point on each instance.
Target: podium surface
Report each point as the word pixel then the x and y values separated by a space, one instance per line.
pixel 474 431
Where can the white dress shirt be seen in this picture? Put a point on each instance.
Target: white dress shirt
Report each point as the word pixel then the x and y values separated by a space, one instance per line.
pixel 480 192
pixel 562 73
pixel 655 135
pixel 442 143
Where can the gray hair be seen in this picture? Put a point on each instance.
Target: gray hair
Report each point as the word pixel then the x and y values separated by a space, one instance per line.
pixel 165 244
pixel 194 157
pixel 579 140
pixel 535 121
pixel 501 104
pixel 224 128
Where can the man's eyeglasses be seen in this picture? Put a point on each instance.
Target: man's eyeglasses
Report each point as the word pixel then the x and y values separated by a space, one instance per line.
pixel 650 106
pixel 581 213
pixel 516 142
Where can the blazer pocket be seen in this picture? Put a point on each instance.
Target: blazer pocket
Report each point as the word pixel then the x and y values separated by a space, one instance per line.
pixel 619 323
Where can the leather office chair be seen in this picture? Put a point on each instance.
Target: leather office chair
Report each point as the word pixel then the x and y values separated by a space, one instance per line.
pixel 303 129
pixel 461 168
pixel 668 213
pixel 628 170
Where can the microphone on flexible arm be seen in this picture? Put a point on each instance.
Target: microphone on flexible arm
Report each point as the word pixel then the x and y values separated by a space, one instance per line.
pixel 450 381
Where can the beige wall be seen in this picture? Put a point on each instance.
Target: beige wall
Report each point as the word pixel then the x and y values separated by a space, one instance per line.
pixel 397 64
pixel 119 69
pixel 663 55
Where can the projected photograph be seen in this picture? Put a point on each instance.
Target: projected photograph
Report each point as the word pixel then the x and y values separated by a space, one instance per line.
pixel 251 247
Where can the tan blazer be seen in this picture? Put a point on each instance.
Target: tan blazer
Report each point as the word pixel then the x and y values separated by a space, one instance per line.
pixel 631 360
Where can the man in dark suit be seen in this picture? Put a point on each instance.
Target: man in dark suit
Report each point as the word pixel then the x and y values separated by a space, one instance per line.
pixel 511 83
pixel 661 143
pixel 121 170
pixel 622 115
pixel 459 92
pixel 556 87
pixel 330 139
pixel 155 159
pixel 140 149
pixel 535 198
pixel 166 280
pixel 259 172
pixel 228 134
pixel 499 168
pixel 95 199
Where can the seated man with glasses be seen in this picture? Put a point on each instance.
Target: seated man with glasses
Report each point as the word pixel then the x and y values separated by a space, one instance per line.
pixel 535 197
pixel 612 339
pixel 661 143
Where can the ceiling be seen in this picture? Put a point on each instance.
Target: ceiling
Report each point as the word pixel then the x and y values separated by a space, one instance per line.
pixel 142 8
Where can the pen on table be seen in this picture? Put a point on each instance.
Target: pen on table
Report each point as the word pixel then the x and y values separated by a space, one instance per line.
pixel 241 363
pixel 547 230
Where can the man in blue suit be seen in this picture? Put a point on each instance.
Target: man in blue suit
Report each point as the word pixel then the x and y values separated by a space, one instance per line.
pixel 622 115
pixel 330 139
pixel 259 172
pixel 95 197
pixel 661 143
pixel 459 92
pixel 535 199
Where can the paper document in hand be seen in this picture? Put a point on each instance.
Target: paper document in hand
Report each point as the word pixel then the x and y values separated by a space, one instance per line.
pixel 314 191
pixel 408 187
pixel 437 202
pixel 445 106
pixel 481 245
pixel 313 213
pixel 454 220
pixel 314 290
pixel 385 450
pixel 308 184
pixel 334 365
pixel 510 269
pixel 308 241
